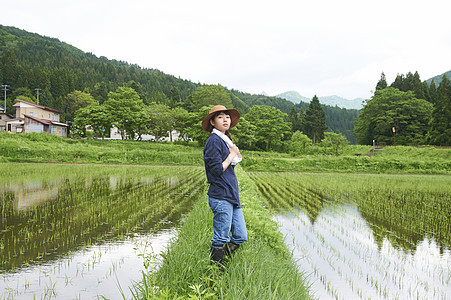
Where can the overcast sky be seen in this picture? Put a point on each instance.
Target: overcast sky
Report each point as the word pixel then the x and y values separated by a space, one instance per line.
pixel 315 47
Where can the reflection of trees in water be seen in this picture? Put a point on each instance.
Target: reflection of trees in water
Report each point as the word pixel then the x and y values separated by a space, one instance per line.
pixel 398 236
pixel 289 195
pixel 31 193
pixel 60 218
pixel 404 217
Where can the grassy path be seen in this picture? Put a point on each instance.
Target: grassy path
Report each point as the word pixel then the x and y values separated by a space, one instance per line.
pixel 261 269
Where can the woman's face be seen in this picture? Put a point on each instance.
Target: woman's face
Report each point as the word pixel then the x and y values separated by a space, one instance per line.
pixel 221 122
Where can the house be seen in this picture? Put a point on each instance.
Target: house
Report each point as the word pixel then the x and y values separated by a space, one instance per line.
pixel 115 134
pixel 32 117
pixel 3 118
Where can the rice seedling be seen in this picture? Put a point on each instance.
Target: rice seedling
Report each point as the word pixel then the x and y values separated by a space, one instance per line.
pixel 366 236
pixel 57 216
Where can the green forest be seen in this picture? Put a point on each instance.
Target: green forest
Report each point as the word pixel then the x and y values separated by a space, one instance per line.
pixel 89 89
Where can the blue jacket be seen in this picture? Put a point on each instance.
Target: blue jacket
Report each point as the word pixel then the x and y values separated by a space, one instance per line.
pixel 223 184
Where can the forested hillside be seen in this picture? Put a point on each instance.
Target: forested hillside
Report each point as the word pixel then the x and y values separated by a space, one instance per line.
pixel 55 74
pixel 30 61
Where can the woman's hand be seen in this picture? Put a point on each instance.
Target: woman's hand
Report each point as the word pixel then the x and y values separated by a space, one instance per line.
pixel 233 151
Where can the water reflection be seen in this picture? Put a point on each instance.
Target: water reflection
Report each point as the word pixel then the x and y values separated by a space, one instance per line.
pixel 98 271
pixel 69 221
pixel 344 259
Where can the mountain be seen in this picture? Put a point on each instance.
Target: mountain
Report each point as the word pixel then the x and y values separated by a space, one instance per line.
pixel 294 97
pixel 437 79
pixel 333 101
pixel 342 102
pixel 29 61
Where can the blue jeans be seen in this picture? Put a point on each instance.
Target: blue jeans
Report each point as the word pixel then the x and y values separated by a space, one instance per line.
pixel 227 218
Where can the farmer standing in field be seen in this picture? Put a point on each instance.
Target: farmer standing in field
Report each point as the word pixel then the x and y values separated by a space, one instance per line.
pixel 220 157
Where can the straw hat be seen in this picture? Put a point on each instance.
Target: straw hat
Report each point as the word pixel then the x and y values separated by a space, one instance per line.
pixel 234 115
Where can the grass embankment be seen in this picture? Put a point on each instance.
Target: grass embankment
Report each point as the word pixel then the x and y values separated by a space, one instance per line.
pixel 35 147
pixel 41 147
pixel 261 269
pixel 390 160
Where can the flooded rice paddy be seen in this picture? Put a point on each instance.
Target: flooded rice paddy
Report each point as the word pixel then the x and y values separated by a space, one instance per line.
pixel 366 236
pixel 80 231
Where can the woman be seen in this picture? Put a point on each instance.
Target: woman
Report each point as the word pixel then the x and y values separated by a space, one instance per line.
pixel 220 157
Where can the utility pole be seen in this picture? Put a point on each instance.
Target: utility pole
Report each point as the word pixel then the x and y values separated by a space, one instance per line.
pixel 37 95
pixel 5 88
pixel 394 136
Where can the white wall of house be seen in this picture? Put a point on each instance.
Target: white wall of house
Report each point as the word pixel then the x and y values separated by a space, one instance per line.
pixel 116 135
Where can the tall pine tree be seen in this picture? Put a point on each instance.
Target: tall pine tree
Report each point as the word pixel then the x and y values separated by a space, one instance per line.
pixel 315 121
pixel 293 117
pixel 382 84
pixel 440 133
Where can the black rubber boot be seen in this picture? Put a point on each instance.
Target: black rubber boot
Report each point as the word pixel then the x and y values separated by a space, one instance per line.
pixel 217 256
pixel 230 247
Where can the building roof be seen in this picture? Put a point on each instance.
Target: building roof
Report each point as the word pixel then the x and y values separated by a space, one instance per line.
pixel 37 105
pixel 6 114
pixel 46 122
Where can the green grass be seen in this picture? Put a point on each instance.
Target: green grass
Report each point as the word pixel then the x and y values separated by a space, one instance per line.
pixel 38 147
pixel 399 159
pixel 261 269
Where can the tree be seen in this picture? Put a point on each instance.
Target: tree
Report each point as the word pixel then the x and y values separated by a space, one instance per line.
pixel 179 118
pixel 417 86
pixel 193 129
pixel 315 121
pixel 160 123
pixel 210 95
pixel 24 94
pixel 299 143
pixel 244 134
pixel 76 100
pixel 128 112
pixel 432 92
pixel 270 126
pixel 410 82
pixel 138 89
pixel 96 116
pixel 1 70
pixel 335 141
pixel 100 92
pixel 382 84
pixel 440 133
pixel 175 100
pixel 391 108
pixel 293 118
pixel 10 68
pixel 399 82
